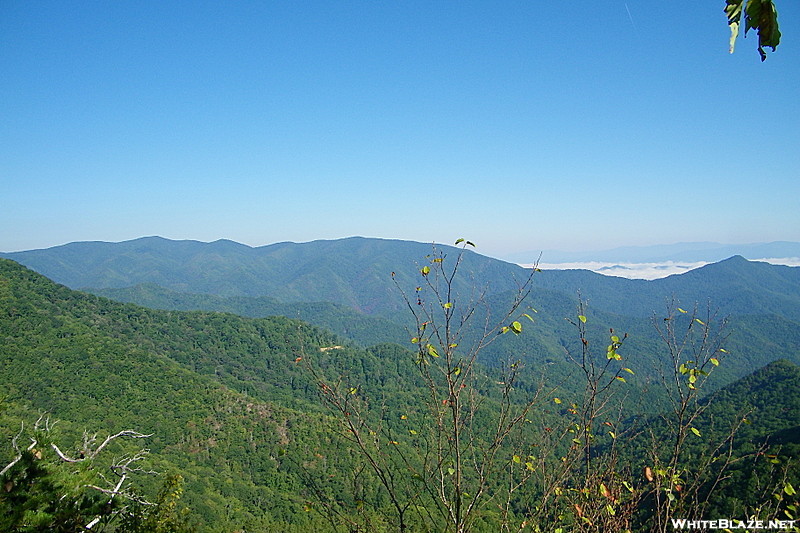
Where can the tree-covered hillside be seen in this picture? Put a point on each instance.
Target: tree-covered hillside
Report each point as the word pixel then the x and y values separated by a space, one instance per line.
pixel 226 402
pixel 361 328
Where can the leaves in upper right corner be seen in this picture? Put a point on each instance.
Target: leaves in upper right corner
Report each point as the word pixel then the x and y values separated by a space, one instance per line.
pixel 760 15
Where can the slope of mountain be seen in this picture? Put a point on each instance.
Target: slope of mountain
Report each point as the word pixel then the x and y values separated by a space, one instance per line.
pixel 222 395
pixel 345 321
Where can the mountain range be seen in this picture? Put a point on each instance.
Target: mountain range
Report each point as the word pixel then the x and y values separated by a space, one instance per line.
pixel 226 396
pixel 354 287
pixel 357 272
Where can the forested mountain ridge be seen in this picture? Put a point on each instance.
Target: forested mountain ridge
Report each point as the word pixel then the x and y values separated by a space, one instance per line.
pixel 353 272
pixel 356 272
pixel 348 287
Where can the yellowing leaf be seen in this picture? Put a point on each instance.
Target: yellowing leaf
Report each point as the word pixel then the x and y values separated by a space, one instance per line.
pixel 695 431
pixel 582 318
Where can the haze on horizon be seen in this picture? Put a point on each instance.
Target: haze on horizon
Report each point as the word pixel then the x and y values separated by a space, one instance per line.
pixel 619 125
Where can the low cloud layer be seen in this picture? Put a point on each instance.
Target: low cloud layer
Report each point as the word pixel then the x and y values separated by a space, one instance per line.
pixel 649 270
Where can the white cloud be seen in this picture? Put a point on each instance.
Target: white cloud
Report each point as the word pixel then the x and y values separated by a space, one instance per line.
pixel 648 270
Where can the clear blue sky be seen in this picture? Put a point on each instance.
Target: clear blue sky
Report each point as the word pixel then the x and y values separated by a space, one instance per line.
pixel 520 125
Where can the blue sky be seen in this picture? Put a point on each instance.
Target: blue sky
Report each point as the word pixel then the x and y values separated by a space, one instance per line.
pixel 522 125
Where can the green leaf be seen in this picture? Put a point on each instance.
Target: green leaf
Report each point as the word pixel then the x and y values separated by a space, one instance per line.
pixel 516 459
pixel 451 471
pixel 459 241
pixel 448 305
pixel 556 400
pixel 414 340
pixel 789 489
pixel 432 351
pixel 762 16
pixel 628 370
pixel 425 270
pixel 714 361
pixel 516 327
pixel 695 431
